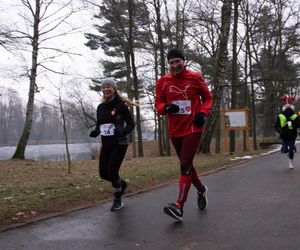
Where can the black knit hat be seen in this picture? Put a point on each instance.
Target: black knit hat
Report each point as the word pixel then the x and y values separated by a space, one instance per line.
pixel 175 53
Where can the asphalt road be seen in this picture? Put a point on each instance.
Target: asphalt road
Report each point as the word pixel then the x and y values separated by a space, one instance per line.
pixel 255 205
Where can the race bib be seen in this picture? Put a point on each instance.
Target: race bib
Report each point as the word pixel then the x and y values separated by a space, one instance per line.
pixel 185 107
pixel 107 129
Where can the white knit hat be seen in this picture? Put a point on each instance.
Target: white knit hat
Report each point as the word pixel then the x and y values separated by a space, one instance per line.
pixel 109 81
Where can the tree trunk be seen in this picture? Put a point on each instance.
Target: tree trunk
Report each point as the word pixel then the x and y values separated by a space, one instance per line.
pixel 130 96
pixel 21 146
pixel 269 111
pixel 164 140
pixel 219 77
pixel 135 80
pixel 234 70
pixel 218 135
pixel 65 133
pixel 252 101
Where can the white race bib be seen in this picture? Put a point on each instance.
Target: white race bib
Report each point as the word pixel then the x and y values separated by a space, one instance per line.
pixel 185 107
pixel 107 129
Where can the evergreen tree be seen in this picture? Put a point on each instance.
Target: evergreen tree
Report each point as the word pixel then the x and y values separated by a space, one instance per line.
pixel 122 31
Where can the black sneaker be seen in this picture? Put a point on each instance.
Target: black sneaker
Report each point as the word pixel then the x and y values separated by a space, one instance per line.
pixel 202 198
pixel 174 210
pixel 117 205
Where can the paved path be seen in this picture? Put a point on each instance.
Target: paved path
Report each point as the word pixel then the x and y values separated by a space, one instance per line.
pixel 255 205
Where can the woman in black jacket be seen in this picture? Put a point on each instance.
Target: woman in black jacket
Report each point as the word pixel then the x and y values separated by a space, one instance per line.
pixel 114 123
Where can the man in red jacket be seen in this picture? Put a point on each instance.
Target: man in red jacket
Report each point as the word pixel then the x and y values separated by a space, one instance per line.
pixel 184 97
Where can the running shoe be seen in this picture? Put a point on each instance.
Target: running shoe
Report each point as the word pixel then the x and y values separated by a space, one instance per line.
pixel 291 165
pixel 117 205
pixel 202 198
pixel 174 210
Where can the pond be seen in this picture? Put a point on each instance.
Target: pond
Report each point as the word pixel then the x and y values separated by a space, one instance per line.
pixel 54 152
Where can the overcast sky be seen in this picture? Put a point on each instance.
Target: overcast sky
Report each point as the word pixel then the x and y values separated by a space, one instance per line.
pixel 78 67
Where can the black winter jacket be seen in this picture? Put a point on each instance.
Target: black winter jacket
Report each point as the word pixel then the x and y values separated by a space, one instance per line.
pixel 114 121
pixel 285 132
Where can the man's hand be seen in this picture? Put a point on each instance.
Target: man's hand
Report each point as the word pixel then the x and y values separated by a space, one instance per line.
pixel 200 119
pixel 94 133
pixel 171 108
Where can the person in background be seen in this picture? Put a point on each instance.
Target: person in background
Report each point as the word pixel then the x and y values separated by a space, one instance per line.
pixel 184 97
pixel 286 125
pixel 114 123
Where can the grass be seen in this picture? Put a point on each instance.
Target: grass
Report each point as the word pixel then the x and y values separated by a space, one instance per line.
pixel 32 188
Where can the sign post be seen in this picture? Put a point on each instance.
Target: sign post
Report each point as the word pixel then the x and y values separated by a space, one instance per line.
pixel 235 119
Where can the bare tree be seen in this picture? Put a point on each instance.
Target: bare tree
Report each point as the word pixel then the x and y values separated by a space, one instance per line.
pixel 249 17
pixel 235 80
pixel 63 113
pixel 64 123
pixel 160 69
pixel 5 37
pixel 81 105
pixel 218 77
pixel 134 73
pixel 43 18
pixel 11 115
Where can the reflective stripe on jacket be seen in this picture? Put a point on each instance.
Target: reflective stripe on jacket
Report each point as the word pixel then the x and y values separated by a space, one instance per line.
pixel 284 122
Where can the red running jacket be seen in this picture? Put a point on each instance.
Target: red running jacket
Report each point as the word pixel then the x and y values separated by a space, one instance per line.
pixel 188 90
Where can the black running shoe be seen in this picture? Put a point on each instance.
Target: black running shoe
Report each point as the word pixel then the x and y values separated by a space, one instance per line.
pixel 174 210
pixel 202 198
pixel 117 205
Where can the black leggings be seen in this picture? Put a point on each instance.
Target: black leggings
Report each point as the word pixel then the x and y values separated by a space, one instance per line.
pixel 110 160
pixel 288 146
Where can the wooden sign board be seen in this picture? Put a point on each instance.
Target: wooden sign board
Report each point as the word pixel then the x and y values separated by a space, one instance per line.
pixel 235 119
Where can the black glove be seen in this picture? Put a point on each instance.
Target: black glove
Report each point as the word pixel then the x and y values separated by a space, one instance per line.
pixel 171 108
pixel 94 133
pixel 200 119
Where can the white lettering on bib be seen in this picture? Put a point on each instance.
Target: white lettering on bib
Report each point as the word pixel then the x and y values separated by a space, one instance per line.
pixel 107 129
pixel 185 107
